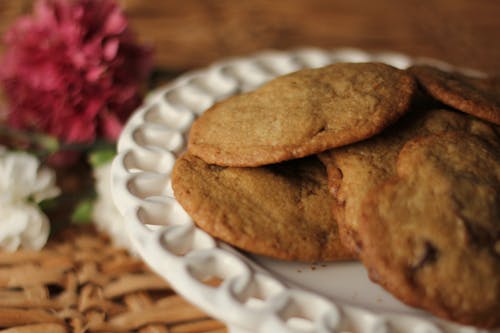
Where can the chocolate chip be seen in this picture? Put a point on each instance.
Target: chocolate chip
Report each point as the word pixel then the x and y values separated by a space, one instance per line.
pixel 428 256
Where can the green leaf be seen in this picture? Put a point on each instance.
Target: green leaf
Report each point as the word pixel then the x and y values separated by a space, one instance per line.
pixel 47 204
pixel 101 156
pixel 50 143
pixel 83 212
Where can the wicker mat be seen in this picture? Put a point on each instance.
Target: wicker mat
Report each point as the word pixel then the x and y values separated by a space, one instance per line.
pixel 81 283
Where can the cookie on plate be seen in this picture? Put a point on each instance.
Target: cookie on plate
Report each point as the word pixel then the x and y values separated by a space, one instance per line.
pixel 281 211
pixel 355 169
pixel 477 96
pixel 301 114
pixel 431 235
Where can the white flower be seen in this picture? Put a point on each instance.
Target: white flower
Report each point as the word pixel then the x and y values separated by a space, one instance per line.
pixel 23 184
pixel 22 179
pixel 23 225
pixel 105 214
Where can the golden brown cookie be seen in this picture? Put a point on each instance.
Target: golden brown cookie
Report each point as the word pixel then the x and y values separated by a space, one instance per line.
pixel 477 96
pixel 356 169
pixel 301 114
pixel 281 211
pixel 431 235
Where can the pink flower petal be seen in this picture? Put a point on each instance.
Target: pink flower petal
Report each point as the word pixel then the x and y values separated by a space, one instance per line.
pixel 95 73
pixel 93 107
pixel 110 49
pixel 78 59
pixel 44 12
pixel 79 130
pixel 116 23
pixel 111 126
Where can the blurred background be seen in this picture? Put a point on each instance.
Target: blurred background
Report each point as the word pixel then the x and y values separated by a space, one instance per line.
pixel 193 33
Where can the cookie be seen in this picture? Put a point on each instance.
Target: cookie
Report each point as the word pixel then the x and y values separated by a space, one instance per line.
pixel 477 96
pixel 281 211
pixel 356 169
pixel 301 114
pixel 431 234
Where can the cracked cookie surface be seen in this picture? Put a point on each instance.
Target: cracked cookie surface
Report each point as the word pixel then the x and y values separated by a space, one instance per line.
pixel 431 235
pixel 301 114
pixel 355 169
pixel 281 211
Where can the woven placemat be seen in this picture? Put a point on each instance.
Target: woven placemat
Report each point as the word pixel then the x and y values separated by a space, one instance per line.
pixel 81 283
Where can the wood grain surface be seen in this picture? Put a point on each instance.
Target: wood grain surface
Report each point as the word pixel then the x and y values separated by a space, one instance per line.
pixel 192 33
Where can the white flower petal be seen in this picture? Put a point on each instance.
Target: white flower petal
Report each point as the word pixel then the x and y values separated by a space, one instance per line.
pixel 45 185
pixel 23 226
pixel 10 244
pixel 22 178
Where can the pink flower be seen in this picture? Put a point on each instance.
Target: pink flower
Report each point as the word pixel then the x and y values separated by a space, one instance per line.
pixel 73 70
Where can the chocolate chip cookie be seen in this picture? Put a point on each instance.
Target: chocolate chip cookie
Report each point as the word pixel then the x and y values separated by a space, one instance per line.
pixel 355 169
pixel 431 234
pixel 301 114
pixel 477 96
pixel 281 211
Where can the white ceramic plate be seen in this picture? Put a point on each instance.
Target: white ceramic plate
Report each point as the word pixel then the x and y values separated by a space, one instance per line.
pixel 256 294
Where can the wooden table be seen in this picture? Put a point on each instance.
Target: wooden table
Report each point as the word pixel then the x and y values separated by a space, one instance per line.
pixel 189 34
pixel 192 33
